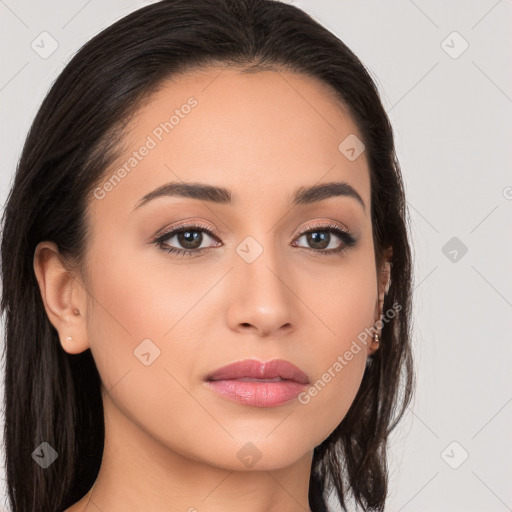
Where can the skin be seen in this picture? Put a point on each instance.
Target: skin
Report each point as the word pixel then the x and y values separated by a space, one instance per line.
pixel 170 442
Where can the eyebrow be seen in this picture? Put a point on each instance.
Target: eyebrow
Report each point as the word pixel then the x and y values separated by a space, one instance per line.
pixel 221 195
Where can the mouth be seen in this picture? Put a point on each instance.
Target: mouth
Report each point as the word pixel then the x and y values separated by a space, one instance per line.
pixel 258 384
pixel 251 379
pixel 252 370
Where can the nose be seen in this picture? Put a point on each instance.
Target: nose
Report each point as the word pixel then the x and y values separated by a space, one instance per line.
pixel 261 300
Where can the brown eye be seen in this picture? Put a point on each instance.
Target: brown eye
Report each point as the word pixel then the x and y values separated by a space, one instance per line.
pixel 185 239
pixel 189 239
pixel 327 239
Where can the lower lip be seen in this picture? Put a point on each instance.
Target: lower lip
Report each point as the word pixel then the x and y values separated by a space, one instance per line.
pixel 257 394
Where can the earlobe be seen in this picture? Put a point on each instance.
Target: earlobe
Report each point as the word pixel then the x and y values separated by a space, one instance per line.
pixel 374 345
pixel 61 297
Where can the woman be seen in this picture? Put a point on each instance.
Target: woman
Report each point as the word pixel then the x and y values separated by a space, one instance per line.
pixel 206 272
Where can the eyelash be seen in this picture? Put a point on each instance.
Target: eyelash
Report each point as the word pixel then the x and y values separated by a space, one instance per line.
pixel 346 237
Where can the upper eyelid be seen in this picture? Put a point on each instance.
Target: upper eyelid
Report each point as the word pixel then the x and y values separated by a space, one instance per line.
pixel 325 224
pixel 168 233
pixel 183 226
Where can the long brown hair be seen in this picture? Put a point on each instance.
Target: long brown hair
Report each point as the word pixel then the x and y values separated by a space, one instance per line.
pixel 54 397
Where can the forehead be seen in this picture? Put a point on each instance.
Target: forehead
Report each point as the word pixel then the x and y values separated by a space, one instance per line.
pixel 259 134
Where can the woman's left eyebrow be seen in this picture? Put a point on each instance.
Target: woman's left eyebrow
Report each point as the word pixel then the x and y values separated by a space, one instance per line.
pixel 307 195
pixel 205 192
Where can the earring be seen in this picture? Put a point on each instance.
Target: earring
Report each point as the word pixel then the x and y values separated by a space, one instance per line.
pixel 376 339
pixel 69 338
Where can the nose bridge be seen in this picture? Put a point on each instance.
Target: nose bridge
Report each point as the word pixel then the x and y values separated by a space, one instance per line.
pixel 261 295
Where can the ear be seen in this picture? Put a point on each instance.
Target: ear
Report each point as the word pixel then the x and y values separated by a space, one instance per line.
pixel 383 281
pixel 63 296
pixel 383 284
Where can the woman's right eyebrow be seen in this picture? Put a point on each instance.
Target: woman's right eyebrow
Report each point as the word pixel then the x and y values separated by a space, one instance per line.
pixel 202 191
pixel 206 192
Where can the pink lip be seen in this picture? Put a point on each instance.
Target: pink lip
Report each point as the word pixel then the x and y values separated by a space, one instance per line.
pixel 278 382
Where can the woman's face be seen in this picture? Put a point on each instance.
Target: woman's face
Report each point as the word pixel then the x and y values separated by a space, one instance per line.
pixel 258 287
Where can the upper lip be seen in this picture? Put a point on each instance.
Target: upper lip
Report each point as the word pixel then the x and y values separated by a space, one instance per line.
pixel 252 368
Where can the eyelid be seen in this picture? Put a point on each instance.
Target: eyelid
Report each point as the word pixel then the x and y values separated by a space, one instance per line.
pixel 186 224
pixel 324 224
pixel 198 224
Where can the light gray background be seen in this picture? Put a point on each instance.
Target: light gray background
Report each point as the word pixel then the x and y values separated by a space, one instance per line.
pixel 451 113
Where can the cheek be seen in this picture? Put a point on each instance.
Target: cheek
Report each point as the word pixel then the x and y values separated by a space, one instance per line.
pixel 344 302
pixel 140 309
pixel 332 391
pixel 147 319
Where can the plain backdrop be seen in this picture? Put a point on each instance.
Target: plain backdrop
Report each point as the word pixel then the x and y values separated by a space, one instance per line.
pixel 444 72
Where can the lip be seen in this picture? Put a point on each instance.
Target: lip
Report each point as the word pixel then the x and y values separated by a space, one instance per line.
pixel 258 384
